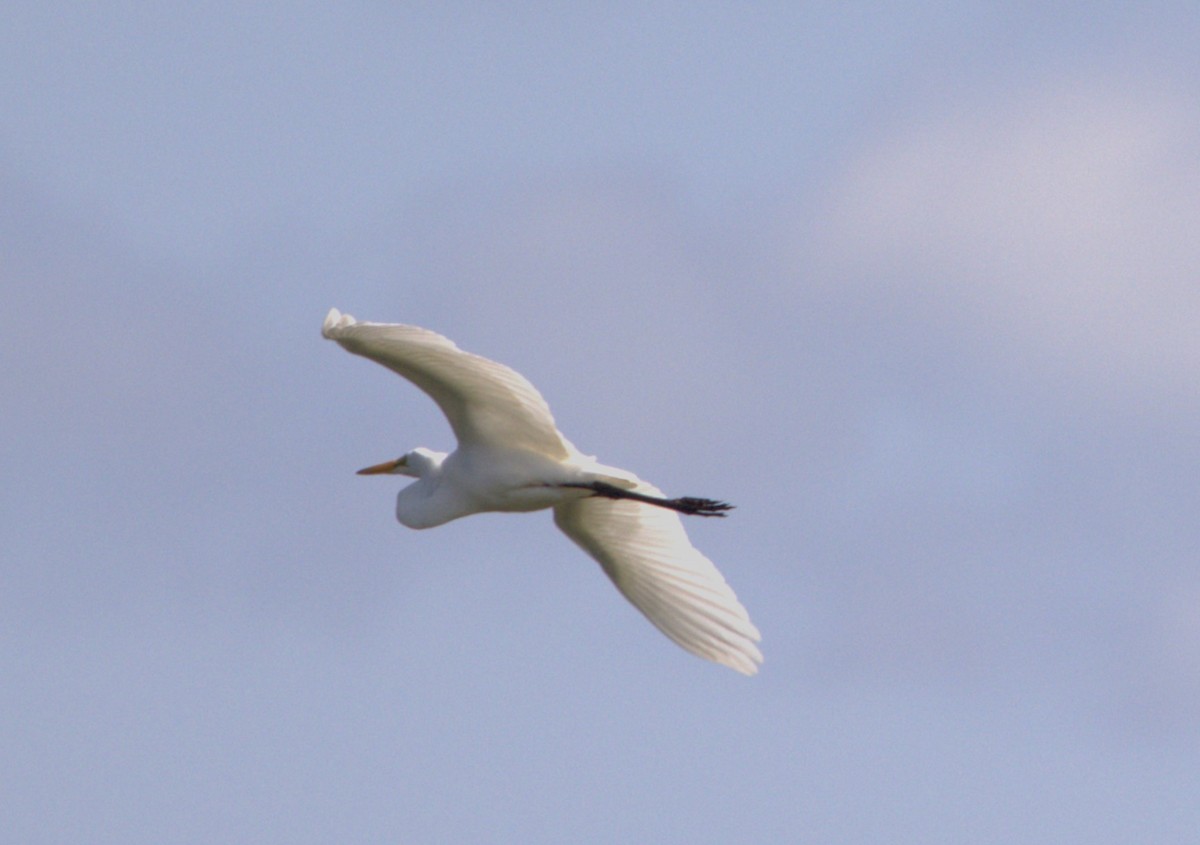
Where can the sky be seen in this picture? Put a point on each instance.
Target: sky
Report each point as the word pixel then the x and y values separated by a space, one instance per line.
pixel 915 287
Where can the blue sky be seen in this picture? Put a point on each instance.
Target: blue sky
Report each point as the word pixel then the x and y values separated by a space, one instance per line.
pixel 915 287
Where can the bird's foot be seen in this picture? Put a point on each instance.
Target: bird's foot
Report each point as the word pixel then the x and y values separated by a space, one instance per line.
pixel 693 506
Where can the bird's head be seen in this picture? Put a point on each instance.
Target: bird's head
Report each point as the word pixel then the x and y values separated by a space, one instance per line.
pixel 415 464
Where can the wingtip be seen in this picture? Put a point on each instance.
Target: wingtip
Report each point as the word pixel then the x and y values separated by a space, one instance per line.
pixel 334 321
pixel 747 665
pixel 743 657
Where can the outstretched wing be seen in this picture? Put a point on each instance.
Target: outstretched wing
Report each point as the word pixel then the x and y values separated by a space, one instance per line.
pixel 487 404
pixel 647 554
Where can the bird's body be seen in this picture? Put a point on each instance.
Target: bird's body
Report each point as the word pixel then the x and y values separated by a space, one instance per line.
pixel 511 457
pixel 471 481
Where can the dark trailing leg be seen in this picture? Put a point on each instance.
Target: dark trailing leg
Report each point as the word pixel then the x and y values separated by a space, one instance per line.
pixel 685 504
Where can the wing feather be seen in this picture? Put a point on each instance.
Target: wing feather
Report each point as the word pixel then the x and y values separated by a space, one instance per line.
pixel 486 403
pixel 646 553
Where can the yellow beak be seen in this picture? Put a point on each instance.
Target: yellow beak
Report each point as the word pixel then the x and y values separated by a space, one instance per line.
pixel 383 468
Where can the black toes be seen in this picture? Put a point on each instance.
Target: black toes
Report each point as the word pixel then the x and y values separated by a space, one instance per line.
pixel 701 507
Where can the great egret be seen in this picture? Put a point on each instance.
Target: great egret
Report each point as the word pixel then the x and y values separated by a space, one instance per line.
pixel 512 457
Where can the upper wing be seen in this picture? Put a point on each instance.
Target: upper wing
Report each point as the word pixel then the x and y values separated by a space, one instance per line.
pixel 486 403
pixel 646 553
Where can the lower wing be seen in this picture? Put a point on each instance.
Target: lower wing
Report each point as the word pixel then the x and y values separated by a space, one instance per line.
pixel 647 554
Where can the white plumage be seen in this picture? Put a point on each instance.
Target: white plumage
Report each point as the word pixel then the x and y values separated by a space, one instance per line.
pixel 512 457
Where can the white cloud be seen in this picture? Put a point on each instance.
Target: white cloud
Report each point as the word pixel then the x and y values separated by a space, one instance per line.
pixel 1061 220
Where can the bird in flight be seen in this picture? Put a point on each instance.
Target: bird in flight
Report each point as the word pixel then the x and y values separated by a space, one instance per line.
pixel 512 457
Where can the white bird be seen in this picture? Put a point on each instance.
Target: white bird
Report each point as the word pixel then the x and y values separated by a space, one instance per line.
pixel 512 457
